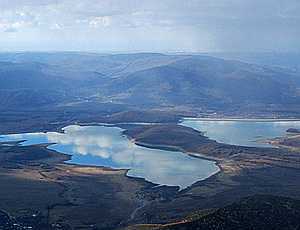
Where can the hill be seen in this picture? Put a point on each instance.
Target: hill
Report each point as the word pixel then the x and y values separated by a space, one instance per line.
pixel 259 212
pixel 143 81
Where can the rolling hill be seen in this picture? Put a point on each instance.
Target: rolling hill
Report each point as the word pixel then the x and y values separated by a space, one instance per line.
pixel 259 212
pixel 145 80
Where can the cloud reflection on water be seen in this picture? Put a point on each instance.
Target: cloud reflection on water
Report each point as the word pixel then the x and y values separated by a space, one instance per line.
pixel 105 146
pixel 246 133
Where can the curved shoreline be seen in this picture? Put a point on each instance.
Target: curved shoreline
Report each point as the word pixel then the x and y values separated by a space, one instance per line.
pixel 216 161
pixel 127 171
pixel 239 119
pixel 174 148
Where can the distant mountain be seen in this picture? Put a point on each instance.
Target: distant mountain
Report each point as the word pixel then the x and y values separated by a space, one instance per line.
pixel 288 60
pixel 110 65
pixel 144 80
pixel 201 80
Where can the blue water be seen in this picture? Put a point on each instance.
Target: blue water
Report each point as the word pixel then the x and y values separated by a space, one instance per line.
pixel 243 133
pixel 106 146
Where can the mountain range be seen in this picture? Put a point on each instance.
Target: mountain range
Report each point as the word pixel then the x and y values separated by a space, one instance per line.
pixel 142 80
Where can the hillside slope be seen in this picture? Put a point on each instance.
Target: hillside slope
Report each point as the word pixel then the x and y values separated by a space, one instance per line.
pixel 259 212
pixel 143 81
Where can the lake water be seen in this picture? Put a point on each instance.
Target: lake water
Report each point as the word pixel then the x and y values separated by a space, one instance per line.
pixel 241 132
pixel 106 146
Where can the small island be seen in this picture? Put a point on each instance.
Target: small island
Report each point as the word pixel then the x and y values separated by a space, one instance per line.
pixel 293 130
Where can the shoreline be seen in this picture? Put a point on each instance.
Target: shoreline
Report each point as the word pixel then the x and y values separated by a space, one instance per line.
pixel 124 171
pixel 240 119
pixel 175 149
pixel 217 161
pixel 225 185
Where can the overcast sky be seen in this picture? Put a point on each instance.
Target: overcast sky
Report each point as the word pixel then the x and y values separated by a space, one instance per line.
pixel 150 25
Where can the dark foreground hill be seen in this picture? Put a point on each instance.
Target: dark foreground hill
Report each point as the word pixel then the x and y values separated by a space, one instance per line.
pixel 254 213
pixel 145 80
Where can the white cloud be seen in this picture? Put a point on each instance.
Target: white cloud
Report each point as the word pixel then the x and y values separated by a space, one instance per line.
pixel 174 25
pixel 100 22
pixel 56 26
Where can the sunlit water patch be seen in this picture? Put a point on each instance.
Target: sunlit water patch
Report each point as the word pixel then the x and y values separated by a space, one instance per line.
pixel 106 146
pixel 242 132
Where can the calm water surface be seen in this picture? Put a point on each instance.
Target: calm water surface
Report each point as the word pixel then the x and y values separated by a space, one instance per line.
pixel 106 146
pixel 245 133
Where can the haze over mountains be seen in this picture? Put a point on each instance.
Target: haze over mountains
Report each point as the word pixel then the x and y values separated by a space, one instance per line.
pixel 143 80
pixel 284 60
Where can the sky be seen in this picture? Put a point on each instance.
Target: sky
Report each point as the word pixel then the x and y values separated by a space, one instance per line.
pixel 150 25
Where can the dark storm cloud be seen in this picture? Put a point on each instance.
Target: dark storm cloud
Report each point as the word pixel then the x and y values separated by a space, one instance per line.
pixel 156 25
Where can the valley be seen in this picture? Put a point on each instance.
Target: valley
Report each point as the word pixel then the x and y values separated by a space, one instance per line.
pixel 135 200
pixel 149 115
pixel 149 98
pixel 195 84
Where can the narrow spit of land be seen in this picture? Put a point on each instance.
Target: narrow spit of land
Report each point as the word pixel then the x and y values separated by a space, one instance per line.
pixel 72 195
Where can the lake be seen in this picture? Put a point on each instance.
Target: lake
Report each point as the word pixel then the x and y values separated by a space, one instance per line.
pixel 106 146
pixel 250 133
